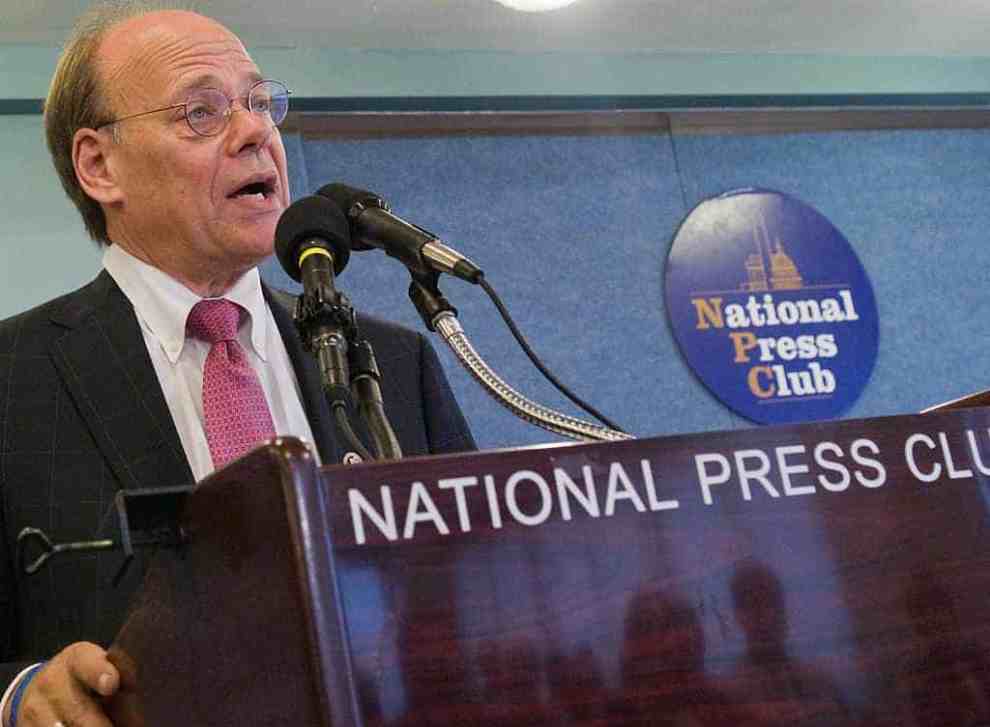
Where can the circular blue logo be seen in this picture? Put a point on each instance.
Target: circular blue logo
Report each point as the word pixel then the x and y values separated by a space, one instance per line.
pixel 771 307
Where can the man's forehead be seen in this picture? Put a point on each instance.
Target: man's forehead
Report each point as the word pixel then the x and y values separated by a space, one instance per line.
pixel 159 25
pixel 178 46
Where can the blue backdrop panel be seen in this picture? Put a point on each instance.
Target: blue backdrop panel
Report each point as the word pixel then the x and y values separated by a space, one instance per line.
pixel 573 232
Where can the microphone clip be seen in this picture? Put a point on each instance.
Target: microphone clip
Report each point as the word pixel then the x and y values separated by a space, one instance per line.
pixel 318 314
pixel 326 322
pixel 364 202
pixel 427 298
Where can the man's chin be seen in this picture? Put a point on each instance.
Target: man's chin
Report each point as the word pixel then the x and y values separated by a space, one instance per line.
pixel 261 251
pixel 249 252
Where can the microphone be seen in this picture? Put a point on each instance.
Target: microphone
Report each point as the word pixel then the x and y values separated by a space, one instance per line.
pixel 372 225
pixel 308 230
pixel 312 242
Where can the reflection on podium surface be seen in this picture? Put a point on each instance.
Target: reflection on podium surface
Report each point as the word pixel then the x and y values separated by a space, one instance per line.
pixel 768 683
pixel 663 667
pixel 577 687
pixel 942 678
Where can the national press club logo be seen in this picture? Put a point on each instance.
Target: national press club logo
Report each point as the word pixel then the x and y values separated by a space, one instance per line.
pixel 771 307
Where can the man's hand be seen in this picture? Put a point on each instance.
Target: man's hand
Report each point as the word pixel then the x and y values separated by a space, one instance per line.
pixel 70 690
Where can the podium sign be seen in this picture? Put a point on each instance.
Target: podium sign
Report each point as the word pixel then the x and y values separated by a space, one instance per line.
pixel 833 573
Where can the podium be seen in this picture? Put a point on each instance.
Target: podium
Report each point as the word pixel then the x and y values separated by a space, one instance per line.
pixel 831 573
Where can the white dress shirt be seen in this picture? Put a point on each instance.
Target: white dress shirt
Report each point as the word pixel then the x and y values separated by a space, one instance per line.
pixel 162 305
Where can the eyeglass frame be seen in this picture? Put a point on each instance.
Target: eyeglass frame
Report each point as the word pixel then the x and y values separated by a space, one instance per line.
pixel 228 112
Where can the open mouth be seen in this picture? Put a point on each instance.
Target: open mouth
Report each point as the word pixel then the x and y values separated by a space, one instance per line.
pixel 263 189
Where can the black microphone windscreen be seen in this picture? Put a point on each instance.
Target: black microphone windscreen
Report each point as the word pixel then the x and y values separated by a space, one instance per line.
pixel 345 198
pixel 311 218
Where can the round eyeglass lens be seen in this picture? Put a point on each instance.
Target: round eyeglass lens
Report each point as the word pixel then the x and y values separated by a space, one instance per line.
pixel 271 98
pixel 206 111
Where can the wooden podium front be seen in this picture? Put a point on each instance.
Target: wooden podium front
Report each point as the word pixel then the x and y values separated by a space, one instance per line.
pixel 829 574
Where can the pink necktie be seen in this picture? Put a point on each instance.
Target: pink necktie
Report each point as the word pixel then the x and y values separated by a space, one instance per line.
pixel 234 408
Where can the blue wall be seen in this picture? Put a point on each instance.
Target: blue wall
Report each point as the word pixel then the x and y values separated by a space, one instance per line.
pixel 44 249
pixel 573 232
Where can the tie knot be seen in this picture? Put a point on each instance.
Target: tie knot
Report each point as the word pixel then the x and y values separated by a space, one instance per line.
pixel 214 320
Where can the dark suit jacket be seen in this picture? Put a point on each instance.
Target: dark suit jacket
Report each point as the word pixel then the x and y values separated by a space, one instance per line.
pixel 82 415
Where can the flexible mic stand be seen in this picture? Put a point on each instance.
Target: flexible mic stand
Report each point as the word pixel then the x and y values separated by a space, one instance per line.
pixel 441 317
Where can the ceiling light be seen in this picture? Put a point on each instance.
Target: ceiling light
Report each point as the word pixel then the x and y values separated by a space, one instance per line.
pixel 535 6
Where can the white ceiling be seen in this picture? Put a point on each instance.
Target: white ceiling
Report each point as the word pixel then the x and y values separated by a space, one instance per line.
pixel 854 27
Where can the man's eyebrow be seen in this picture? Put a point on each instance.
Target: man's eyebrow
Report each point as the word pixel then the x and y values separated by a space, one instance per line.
pixel 204 80
pixel 210 80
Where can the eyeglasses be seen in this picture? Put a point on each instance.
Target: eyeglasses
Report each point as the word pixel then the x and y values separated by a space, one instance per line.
pixel 208 110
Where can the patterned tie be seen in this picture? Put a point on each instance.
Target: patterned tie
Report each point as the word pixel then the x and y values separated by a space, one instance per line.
pixel 234 408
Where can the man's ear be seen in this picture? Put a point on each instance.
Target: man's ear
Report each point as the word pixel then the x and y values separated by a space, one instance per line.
pixel 91 152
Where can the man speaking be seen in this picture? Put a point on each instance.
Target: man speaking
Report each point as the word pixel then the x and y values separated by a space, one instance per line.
pixel 176 358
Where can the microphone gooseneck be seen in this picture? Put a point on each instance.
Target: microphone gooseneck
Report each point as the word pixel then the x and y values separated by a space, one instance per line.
pixel 441 317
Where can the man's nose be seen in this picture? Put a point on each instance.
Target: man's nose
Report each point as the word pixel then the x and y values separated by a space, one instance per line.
pixel 249 131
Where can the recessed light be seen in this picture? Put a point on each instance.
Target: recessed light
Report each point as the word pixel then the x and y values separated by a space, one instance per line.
pixel 535 6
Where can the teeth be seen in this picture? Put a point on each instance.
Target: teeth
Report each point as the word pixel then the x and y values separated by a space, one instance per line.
pixel 264 193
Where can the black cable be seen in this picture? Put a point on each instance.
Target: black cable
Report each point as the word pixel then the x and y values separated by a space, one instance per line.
pixel 539 364
pixel 340 415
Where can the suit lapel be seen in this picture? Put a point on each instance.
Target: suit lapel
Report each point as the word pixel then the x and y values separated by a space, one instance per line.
pixel 104 363
pixel 310 386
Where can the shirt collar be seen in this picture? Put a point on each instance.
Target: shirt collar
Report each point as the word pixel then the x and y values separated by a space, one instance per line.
pixel 162 303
